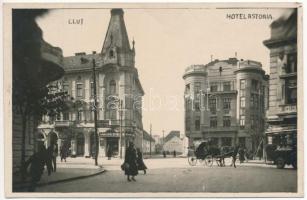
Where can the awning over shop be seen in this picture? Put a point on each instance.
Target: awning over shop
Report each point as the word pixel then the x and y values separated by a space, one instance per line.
pixel 287 131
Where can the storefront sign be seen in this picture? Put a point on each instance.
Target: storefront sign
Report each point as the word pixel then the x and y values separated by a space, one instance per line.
pixel 108 134
pixel 103 123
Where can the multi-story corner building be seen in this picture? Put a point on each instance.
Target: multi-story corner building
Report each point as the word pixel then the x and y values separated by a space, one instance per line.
pixel 282 114
pixel 119 97
pixel 225 102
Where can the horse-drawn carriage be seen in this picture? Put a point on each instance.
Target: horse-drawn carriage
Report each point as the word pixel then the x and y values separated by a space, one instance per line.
pixel 205 153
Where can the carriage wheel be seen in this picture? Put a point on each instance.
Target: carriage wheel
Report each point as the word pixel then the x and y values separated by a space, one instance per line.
pixel 209 161
pixel 192 160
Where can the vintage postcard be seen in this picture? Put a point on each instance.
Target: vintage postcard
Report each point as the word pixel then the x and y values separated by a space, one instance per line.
pixel 153 100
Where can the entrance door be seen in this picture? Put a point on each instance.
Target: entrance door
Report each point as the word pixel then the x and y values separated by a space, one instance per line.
pixel 112 144
pixel 80 144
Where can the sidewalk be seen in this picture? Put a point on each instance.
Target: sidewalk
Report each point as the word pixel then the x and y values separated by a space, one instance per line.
pixel 72 169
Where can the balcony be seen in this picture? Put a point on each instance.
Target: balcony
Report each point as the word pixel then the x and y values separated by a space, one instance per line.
pixel 207 129
pixel 64 123
pixel 52 62
pixel 288 109
pixel 285 75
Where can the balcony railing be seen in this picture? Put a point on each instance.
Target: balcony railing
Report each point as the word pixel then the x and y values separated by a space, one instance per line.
pixel 288 109
pixel 207 129
pixel 64 123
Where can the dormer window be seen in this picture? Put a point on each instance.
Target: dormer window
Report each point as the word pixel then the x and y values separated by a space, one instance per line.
pixel 111 54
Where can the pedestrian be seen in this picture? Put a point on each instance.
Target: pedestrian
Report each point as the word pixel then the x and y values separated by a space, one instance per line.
pixel 131 162
pixel 52 152
pixel 234 156
pixel 37 163
pixel 164 154
pixel 63 152
pixel 140 163
pixel 109 152
pixel 174 153
pixel 241 155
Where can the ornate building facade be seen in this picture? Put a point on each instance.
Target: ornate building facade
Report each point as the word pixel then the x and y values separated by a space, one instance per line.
pixel 282 114
pixel 119 97
pixel 225 102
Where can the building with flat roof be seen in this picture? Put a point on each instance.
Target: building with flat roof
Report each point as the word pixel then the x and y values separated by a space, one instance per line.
pixel 225 103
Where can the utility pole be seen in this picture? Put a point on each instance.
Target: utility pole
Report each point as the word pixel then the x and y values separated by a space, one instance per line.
pixel 120 130
pixel 150 142
pixel 95 113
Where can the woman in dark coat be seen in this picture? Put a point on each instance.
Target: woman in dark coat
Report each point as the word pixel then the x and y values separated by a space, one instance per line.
pixel 140 162
pixel 241 155
pixel 131 168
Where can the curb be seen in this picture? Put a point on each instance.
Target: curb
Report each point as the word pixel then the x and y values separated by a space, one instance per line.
pixel 72 178
pixel 100 171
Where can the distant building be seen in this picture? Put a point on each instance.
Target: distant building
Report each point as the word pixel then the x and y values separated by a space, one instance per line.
pixel 225 102
pixel 282 114
pixel 173 142
pixel 148 143
pixel 119 96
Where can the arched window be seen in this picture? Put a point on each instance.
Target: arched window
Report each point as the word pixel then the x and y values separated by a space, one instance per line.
pixel 112 87
pixel 111 54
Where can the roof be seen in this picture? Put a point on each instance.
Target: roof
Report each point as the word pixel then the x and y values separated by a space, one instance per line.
pixel 117 33
pixel 171 135
pixel 147 137
pixel 80 61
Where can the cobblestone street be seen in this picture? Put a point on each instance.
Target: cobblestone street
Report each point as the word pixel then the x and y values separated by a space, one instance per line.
pixel 175 175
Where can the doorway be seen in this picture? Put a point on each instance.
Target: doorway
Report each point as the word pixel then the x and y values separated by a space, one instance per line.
pixel 112 145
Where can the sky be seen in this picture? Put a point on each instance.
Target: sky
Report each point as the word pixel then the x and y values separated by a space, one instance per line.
pixel 166 41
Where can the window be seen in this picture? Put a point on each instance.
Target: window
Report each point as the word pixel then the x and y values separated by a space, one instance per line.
pixel 226 141
pixel 226 86
pixel 226 103
pixel 187 123
pixel 242 84
pixel 291 63
pixel 112 87
pixel 242 141
pixel 242 102
pixel 255 86
pixel 291 91
pixel 242 121
pixel 226 121
pixel 111 54
pixel 212 105
pixel 242 111
pixel 79 115
pixel 256 102
pixel 65 116
pixel 58 117
pixel 213 122
pixel 197 88
pixel 187 88
pixel 252 101
pixel 79 89
pixel 197 123
pixel 252 121
pixel 196 106
pixel 213 87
